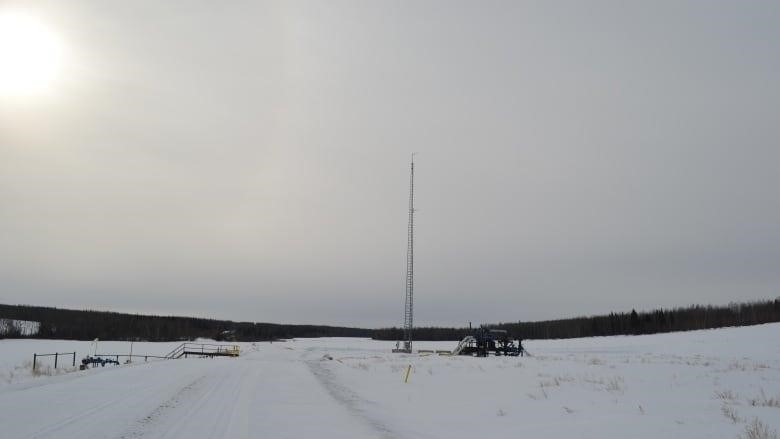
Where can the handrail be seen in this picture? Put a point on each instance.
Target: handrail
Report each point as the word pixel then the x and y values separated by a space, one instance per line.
pixel 463 343
pixel 171 353
pixel 129 356
pixel 203 349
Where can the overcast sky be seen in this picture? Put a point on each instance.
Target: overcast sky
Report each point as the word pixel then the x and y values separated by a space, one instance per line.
pixel 249 160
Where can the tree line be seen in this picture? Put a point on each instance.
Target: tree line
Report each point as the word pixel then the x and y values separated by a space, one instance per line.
pixel 88 325
pixel 616 323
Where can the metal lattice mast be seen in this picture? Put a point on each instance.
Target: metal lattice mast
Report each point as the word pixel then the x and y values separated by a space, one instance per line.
pixel 409 302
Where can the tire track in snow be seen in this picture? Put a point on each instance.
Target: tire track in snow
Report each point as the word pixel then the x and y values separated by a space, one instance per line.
pixel 57 426
pixel 347 398
pixel 89 418
pixel 199 410
pixel 213 406
pixel 189 404
pixel 152 418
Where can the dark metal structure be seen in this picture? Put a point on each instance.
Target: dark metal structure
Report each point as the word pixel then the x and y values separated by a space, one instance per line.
pixel 56 356
pixel 409 298
pixel 485 341
pixel 97 361
pixel 185 350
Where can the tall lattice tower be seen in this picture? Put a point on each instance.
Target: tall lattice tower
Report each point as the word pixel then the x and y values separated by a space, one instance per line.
pixel 409 302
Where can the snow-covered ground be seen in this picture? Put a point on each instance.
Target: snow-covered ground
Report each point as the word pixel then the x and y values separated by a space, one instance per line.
pixel 699 384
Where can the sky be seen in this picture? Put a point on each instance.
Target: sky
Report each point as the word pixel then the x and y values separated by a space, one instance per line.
pixel 249 160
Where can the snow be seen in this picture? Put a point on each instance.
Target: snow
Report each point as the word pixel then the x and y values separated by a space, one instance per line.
pixel 694 385
pixel 25 327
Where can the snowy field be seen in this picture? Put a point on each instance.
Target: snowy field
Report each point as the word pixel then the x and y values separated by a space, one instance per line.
pixel 704 384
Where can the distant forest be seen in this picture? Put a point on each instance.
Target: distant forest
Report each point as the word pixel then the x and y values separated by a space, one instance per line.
pixel 88 325
pixel 621 323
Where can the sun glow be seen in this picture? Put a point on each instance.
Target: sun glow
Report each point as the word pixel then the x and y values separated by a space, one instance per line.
pixel 30 55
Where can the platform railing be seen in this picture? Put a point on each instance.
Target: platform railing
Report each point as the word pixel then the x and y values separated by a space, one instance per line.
pixel 204 349
pixel 463 343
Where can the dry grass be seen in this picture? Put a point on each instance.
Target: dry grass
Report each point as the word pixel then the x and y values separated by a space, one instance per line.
pixel 762 401
pixel 556 380
pixel 596 362
pixel 362 366
pixel 542 394
pixel 726 395
pixel 24 371
pixel 746 366
pixel 729 412
pixel 616 384
pixel 758 430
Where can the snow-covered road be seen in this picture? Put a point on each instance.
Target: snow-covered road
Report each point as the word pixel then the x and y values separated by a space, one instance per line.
pixel 253 396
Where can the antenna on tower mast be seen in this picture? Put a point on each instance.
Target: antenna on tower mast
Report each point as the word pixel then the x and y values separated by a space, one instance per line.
pixel 409 301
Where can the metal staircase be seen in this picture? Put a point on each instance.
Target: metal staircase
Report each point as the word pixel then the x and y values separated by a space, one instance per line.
pixel 467 340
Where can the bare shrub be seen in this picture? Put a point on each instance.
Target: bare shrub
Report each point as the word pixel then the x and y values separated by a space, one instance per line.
pixel 556 381
pixel 500 412
pixel 762 401
pixel 542 395
pixel 729 412
pixel 736 365
pixel 758 430
pixel 747 366
pixel 615 384
pixel 24 371
pixel 596 381
pixel 48 370
pixel 726 395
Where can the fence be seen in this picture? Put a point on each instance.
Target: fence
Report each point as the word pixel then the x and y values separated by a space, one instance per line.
pixel 185 349
pixel 56 356
pixel 130 357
